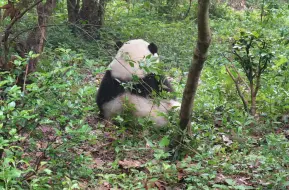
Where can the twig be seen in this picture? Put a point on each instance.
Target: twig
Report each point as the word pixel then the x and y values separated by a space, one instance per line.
pixel 25 77
pixel 245 103
pixel 235 69
pixel 15 19
pixel 39 159
pixel 37 164
pixel 8 28
pixel 189 9
pixel 240 77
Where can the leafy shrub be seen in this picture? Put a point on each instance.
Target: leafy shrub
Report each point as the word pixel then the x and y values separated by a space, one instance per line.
pixel 49 115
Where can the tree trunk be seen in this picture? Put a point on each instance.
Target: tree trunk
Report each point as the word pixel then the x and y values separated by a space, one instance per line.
pixel 73 10
pixel 36 38
pixel 200 55
pixel 253 100
pixel 91 13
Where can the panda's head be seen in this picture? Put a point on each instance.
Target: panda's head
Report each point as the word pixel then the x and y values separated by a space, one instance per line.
pixel 131 52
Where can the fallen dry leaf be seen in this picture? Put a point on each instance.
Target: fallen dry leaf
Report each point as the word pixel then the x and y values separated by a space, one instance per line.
pixel 161 185
pixel 181 175
pixel 129 164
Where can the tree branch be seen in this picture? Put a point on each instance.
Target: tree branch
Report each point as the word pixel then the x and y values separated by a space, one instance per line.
pixel 240 77
pixel 15 19
pixel 235 69
pixel 8 28
pixel 245 102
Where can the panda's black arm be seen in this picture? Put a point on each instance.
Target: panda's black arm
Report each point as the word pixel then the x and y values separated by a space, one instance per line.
pixel 150 83
pixel 108 90
pixel 166 85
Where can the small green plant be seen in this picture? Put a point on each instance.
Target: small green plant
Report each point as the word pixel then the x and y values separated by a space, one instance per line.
pixel 252 51
pixel 46 113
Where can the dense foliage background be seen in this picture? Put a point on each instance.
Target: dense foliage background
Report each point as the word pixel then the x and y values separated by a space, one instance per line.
pixel 51 138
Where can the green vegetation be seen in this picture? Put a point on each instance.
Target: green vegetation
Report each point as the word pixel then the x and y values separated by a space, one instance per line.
pixel 51 138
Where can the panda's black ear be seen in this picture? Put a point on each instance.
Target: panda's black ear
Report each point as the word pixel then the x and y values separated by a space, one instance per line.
pixel 153 48
pixel 118 45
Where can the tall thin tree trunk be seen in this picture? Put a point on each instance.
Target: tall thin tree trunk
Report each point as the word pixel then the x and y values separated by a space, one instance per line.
pixel 200 55
pixel 73 10
pixel 36 38
pixel 253 99
pixel 90 13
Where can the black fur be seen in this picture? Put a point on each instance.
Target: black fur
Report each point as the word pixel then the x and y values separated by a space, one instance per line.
pixel 153 48
pixel 118 45
pixel 150 83
pixel 111 88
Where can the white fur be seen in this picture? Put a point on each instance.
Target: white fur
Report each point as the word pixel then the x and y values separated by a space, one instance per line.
pixel 133 51
pixel 143 107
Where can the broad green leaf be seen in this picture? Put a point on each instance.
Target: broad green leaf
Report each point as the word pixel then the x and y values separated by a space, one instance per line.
pixel 164 142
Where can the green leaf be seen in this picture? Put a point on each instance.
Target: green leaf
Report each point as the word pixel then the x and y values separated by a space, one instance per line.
pixel 12 132
pixel 149 142
pixel 164 142
pixel 2 83
pixel 14 173
pixel 220 186
pixel 11 105
pixel 166 166
pixel 286 184
pixel 47 171
pixel 131 63
pixel 117 149
pixel 230 181
pixel 281 61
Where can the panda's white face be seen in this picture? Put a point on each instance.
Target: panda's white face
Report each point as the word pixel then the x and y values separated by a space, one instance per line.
pixel 132 51
pixel 143 107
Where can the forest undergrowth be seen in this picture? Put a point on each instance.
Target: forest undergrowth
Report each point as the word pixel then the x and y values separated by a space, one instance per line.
pixel 53 138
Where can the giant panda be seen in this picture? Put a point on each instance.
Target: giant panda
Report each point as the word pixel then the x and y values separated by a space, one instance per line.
pixel 112 95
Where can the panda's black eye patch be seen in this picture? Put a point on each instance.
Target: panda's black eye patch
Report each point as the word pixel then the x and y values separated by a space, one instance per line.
pixel 153 48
